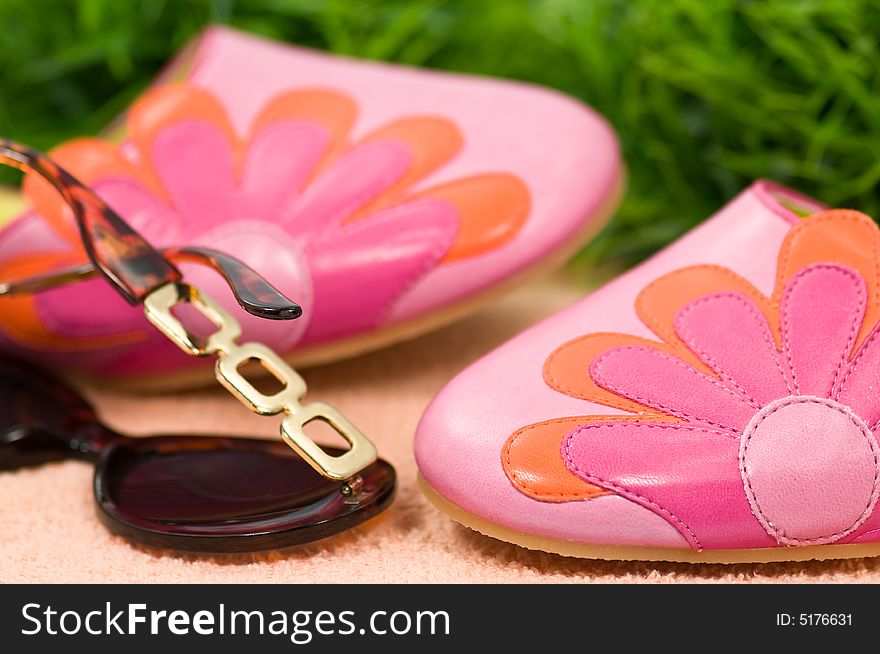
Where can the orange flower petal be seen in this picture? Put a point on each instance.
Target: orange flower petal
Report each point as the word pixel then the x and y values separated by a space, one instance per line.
pixel 492 208
pixel 836 236
pixel 430 141
pixel 332 110
pixel 661 300
pixel 567 369
pixel 532 462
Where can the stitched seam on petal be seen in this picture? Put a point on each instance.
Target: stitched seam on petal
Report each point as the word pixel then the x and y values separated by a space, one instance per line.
pixel 854 328
pixel 626 492
pixel 516 477
pixel 599 379
pixel 757 315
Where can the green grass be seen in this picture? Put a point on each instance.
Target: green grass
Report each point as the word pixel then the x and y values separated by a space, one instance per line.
pixel 706 95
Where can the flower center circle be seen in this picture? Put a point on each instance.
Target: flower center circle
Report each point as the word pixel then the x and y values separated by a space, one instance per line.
pixel 810 469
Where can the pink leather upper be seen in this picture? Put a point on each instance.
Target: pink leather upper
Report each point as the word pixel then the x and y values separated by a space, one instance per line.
pixel 288 217
pixel 759 445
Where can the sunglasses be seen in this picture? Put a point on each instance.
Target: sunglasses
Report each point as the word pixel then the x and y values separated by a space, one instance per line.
pixel 192 493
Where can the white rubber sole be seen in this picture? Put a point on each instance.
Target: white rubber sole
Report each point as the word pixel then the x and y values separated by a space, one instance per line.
pixel 630 553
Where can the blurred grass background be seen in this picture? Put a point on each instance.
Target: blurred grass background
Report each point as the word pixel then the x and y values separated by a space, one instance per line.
pixel 706 96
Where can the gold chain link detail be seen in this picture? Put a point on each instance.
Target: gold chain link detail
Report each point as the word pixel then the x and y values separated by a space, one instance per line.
pixel 230 357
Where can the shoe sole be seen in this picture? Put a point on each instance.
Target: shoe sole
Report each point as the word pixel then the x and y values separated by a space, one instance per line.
pixel 632 553
pixel 363 343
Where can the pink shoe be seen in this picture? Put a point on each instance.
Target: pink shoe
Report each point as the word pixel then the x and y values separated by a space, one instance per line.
pixel 718 403
pixel 384 200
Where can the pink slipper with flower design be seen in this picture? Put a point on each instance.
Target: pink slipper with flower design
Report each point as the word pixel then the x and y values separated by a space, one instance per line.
pixel 718 403
pixel 383 200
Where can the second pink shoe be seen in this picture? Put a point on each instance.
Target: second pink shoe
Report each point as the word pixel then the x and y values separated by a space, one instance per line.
pixel 384 200
pixel 718 403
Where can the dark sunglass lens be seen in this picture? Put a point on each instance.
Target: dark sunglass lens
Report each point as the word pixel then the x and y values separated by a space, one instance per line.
pixel 228 495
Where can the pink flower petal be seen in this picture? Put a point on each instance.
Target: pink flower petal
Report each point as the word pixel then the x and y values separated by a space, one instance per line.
pixel 362 268
pixel 687 475
pixel 88 309
pixel 859 387
pixel 350 183
pixel 279 161
pixel 730 334
pixel 142 210
pixel 822 309
pixel 664 382
pixel 194 162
